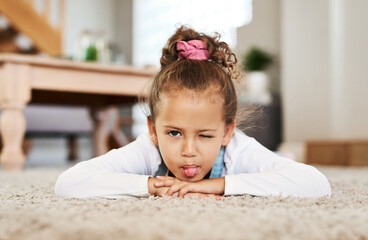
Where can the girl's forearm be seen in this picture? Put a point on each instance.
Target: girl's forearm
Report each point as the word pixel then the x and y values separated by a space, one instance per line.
pixel 212 185
pixel 208 186
pixel 172 185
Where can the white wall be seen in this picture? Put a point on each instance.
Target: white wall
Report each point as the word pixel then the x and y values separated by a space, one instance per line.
pixel 124 28
pixel 114 17
pixel 264 32
pixel 93 15
pixel 324 74
pixel 305 69
pixel 350 106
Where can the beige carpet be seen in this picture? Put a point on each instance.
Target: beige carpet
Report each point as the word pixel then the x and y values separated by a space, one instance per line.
pixel 29 210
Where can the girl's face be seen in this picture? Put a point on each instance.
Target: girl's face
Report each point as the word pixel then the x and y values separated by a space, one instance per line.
pixel 190 130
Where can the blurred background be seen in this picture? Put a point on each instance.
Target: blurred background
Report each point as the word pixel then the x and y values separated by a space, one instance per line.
pixel 306 64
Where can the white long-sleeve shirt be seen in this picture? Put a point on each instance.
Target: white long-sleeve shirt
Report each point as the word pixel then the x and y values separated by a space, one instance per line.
pixel 249 168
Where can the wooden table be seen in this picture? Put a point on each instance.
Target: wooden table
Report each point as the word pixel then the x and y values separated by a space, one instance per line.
pixel 33 79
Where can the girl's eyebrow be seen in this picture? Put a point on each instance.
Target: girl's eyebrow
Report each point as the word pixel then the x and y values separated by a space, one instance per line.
pixel 207 130
pixel 201 130
pixel 168 126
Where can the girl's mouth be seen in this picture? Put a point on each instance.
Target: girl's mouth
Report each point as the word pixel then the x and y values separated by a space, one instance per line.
pixel 190 171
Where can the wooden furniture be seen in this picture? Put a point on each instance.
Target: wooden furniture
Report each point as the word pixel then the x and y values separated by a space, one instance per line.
pixel 345 153
pixel 39 27
pixel 25 79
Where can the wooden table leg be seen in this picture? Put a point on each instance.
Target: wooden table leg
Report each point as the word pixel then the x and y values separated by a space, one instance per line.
pixel 15 92
pixel 72 147
pixel 13 127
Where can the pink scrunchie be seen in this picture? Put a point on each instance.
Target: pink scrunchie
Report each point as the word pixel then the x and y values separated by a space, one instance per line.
pixel 193 49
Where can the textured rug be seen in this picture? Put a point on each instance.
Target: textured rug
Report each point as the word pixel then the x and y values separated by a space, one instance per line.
pixel 29 210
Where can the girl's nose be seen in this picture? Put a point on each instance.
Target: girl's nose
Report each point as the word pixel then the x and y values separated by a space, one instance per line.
pixel 188 149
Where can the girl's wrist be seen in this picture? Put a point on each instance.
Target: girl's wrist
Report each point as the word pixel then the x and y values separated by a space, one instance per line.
pixel 217 185
pixel 221 185
pixel 151 186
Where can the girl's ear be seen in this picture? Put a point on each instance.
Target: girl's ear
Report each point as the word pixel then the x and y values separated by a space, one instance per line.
pixel 229 130
pixel 152 131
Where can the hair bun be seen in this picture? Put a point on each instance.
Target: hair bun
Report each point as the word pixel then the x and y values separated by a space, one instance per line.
pixel 218 52
pixel 192 49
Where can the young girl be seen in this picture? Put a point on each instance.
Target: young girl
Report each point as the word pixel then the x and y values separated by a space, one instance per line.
pixel 193 147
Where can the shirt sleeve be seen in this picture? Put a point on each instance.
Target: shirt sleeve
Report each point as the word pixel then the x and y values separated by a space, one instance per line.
pixel 260 172
pixel 120 173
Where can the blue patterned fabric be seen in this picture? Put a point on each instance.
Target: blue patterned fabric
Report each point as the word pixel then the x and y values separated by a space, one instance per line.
pixel 162 169
pixel 219 164
pixel 215 172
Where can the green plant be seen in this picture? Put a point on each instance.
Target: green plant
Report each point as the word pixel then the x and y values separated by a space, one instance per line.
pixel 256 59
pixel 91 53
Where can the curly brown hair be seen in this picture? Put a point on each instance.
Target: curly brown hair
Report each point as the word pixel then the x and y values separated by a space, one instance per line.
pixel 217 73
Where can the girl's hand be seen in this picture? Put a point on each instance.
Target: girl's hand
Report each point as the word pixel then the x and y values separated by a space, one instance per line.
pixel 166 181
pixel 169 183
pixel 209 186
pixel 156 191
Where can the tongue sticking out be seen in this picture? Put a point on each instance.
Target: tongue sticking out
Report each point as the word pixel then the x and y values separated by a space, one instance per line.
pixel 190 171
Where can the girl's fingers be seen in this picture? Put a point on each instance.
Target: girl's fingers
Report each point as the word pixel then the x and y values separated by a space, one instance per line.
pixel 193 195
pixel 162 192
pixel 184 190
pixel 217 197
pixel 175 188
pixel 190 187
pixel 161 177
pixel 164 183
pixel 164 177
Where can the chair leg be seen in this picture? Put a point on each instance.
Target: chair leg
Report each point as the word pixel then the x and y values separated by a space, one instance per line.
pixel 27 145
pixel 72 148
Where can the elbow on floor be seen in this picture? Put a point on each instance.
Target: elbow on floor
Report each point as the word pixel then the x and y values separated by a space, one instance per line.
pixel 63 188
pixel 321 187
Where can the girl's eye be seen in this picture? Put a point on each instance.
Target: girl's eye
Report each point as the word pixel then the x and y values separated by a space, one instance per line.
pixel 206 136
pixel 174 133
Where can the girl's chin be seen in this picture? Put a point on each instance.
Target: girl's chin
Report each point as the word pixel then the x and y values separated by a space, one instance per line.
pixel 182 177
pixel 192 179
pixel 197 176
